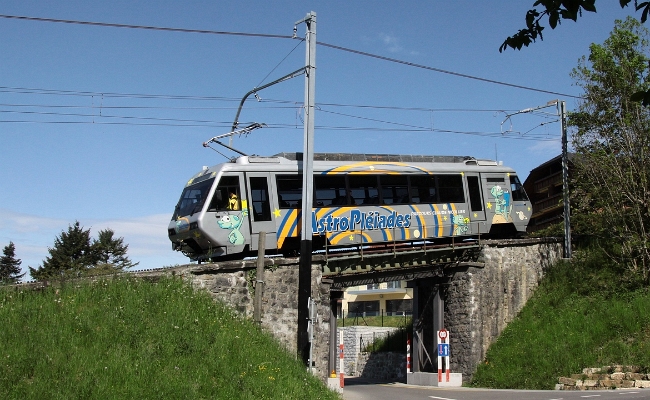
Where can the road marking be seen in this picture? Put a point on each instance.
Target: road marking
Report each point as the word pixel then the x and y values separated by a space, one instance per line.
pixel 629 393
pixel 593 395
pixel 440 398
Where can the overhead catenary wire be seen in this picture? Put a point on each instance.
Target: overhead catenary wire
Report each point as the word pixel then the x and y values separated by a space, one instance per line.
pixel 176 121
pixel 264 35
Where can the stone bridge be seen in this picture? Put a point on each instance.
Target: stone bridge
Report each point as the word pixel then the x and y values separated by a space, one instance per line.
pixel 473 294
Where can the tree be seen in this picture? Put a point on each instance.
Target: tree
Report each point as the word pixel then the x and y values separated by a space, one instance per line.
pixel 556 11
pixel 111 252
pixel 612 145
pixel 74 254
pixel 71 255
pixel 10 265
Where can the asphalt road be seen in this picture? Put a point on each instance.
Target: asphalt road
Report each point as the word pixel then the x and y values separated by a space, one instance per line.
pixel 356 389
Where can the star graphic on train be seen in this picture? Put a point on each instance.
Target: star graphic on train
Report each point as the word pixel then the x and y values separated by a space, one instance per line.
pixel 276 212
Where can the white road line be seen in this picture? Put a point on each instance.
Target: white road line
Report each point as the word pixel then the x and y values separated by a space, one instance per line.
pixel 593 395
pixel 440 398
pixel 629 393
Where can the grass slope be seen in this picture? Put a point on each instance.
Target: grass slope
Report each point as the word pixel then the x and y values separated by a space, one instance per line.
pixel 126 338
pixel 585 313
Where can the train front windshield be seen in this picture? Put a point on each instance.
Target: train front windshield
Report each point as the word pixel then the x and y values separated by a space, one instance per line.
pixel 193 198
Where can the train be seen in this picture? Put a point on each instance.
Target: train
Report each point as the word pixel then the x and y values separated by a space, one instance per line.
pixel 358 200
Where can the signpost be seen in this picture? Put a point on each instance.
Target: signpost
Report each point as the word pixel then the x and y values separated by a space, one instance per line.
pixel 443 352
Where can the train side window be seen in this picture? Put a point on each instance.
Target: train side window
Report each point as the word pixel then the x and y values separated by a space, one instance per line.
pixel 423 189
pixel 289 190
pixel 260 199
pixel 363 189
pixel 394 189
pixel 227 196
pixel 517 189
pixel 330 191
pixel 450 189
pixel 474 193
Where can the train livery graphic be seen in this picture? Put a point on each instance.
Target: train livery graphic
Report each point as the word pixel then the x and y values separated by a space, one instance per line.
pixel 359 199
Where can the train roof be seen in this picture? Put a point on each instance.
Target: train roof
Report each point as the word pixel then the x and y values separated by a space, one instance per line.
pixel 364 157
pixel 331 162
pixel 376 157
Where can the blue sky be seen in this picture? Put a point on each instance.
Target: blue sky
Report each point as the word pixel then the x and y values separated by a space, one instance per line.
pixel 104 125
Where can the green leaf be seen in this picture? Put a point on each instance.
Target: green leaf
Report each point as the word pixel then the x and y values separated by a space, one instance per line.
pixel 638 96
pixel 553 19
pixel 591 5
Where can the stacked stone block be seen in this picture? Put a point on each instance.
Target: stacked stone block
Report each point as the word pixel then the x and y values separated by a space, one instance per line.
pixel 609 377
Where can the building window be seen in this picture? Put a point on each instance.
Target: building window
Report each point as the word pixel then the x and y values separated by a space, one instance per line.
pixel 399 307
pixel 363 308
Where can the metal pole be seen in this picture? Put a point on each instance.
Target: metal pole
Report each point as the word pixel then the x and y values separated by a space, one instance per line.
pixel 304 269
pixel 565 182
pixel 259 284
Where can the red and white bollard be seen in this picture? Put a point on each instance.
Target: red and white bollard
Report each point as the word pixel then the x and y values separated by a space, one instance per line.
pixel 408 355
pixel 341 367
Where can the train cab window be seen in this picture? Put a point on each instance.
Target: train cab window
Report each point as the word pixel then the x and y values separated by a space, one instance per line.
pixel 394 189
pixel 260 199
pixel 227 196
pixel 423 189
pixel 363 189
pixel 474 193
pixel 330 190
pixel 517 189
pixel 193 198
pixel 450 189
pixel 289 191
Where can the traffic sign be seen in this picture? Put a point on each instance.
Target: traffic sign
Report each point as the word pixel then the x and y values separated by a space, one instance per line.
pixel 443 350
pixel 442 334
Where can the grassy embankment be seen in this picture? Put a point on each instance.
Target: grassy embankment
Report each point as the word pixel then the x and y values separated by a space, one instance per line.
pixel 126 339
pixel 585 313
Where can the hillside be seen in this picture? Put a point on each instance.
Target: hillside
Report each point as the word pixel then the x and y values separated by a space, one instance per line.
pixel 127 338
pixel 585 313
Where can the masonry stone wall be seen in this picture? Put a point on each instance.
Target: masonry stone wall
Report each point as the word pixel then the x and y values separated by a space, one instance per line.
pixel 231 282
pixel 480 303
pixel 354 338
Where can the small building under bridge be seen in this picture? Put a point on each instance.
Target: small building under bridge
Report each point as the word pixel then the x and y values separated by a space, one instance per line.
pixel 473 290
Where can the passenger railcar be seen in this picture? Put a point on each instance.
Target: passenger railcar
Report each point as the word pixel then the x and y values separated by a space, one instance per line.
pixel 359 199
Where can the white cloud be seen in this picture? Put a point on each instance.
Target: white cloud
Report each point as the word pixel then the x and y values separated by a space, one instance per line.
pixel 391 42
pixel 546 147
pixel 146 237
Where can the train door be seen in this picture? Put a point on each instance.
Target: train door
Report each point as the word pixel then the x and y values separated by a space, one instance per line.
pixel 225 220
pixel 476 203
pixel 498 199
pixel 262 209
